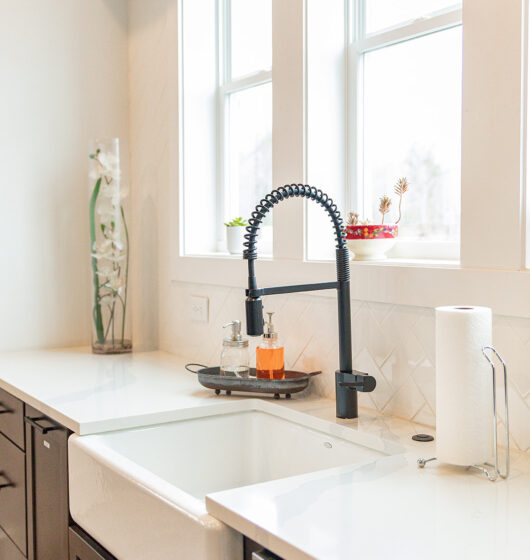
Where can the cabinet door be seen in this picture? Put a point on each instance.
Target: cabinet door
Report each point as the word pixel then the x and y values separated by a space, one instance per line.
pixel 12 418
pixel 82 547
pixel 13 492
pixel 47 487
pixel 8 550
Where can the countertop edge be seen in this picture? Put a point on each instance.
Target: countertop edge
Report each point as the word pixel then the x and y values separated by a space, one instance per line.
pixel 256 533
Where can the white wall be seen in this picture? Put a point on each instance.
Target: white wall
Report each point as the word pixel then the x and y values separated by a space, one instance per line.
pixel 63 80
pixel 153 82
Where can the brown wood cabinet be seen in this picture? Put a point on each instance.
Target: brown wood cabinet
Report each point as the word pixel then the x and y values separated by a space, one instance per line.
pixel 47 487
pixel 8 550
pixel 13 493
pixel 11 418
pixel 13 531
pixel 34 516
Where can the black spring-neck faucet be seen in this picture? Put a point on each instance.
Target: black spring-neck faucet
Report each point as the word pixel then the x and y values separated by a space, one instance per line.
pixel 347 381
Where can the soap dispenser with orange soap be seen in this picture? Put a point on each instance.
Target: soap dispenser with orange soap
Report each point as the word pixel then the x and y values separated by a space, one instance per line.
pixel 270 354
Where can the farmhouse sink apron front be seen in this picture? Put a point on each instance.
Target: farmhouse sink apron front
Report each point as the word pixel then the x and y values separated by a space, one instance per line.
pixel 141 492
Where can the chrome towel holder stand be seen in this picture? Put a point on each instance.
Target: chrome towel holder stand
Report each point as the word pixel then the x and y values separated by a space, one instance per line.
pixel 496 473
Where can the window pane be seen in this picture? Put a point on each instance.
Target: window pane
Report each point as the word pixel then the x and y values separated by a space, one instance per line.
pixel 381 14
pixel 250 152
pixel 412 123
pixel 199 84
pixel 251 33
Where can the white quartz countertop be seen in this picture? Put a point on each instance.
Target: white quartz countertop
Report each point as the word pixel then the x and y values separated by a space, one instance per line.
pixel 386 509
pixel 90 393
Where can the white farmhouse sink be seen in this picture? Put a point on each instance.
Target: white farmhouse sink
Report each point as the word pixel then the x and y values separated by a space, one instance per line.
pixel 141 492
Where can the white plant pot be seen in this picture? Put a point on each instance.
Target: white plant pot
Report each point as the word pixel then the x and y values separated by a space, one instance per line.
pixel 370 249
pixel 235 237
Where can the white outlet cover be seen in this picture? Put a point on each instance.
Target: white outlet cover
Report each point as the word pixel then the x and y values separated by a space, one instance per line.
pixel 198 309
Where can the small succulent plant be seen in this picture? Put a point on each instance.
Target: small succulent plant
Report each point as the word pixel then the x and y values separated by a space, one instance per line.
pixel 236 222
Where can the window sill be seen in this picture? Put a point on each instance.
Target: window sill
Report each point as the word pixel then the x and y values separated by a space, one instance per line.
pixel 222 255
pixel 396 281
pixel 403 262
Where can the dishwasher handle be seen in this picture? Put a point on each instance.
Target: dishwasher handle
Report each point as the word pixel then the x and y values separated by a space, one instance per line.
pixel 42 429
pixel 264 554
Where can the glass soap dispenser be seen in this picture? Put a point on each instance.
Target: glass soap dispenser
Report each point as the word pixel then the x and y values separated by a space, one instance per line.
pixel 270 354
pixel 234 357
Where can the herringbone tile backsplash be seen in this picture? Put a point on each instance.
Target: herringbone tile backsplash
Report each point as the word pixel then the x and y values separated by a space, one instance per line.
pixel 394 343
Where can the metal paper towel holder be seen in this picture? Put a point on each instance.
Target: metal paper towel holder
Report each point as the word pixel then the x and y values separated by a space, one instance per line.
pixel 495 474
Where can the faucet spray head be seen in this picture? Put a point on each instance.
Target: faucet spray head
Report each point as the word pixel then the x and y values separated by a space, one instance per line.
pixel 254 312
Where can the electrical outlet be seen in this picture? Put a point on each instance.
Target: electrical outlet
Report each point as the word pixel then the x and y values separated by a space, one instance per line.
pixel 198 309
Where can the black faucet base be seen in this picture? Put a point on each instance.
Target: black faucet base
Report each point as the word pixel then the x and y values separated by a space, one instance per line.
pixel 346 398
pixel 346 386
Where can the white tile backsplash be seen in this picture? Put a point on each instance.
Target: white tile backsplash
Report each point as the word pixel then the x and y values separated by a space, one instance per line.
pixel 393 343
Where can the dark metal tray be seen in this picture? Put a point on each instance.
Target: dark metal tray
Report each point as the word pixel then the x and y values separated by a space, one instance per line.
pixel 210 377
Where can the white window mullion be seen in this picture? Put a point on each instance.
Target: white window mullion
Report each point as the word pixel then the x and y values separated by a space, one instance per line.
pixel 288 95
pixel 223 75
pixel 328 162
pixel 355 22
pixel 225 40
pixel 492 147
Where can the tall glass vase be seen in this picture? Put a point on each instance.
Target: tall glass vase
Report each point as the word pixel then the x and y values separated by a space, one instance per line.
pixel 109 242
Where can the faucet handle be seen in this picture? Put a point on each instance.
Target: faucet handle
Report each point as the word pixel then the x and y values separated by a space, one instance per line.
pixel 357 380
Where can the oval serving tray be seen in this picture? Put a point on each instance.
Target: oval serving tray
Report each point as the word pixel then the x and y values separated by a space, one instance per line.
pixel 210 377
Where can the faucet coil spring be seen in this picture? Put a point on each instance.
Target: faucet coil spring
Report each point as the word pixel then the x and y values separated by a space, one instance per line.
pixel 283 193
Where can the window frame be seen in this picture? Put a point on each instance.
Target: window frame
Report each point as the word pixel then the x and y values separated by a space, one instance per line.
pixel 359 44
pixel 227 86
pixel 493 267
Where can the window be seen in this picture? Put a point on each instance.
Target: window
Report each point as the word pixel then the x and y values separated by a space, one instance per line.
pixel 226 124
pixel 403 110
pixel 411 128
pixel 245 98
pixel 350 76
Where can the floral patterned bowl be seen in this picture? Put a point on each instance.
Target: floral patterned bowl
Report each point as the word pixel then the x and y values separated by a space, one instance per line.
pixel 371 242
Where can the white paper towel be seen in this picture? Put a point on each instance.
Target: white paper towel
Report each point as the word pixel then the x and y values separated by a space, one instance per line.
pixel 463 385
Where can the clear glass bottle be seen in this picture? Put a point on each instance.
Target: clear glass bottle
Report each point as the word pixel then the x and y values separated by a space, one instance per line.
pixel 270 354
pixel 234 357
pixel 109 251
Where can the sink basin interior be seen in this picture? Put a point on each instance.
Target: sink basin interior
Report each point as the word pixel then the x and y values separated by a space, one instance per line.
pixel 213 453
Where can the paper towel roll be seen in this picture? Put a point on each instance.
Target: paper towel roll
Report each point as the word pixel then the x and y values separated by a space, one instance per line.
pixel 463 385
